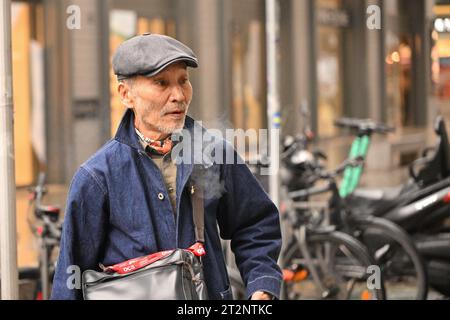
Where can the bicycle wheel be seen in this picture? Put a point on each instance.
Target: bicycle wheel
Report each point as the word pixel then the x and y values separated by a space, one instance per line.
pixel 404 272
pixel 341 263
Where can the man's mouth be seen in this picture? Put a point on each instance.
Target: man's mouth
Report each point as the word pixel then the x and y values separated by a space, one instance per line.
pixel 177 114
pixel 176 111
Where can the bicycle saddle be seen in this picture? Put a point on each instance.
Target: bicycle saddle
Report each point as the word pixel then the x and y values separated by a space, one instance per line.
pixel 52 212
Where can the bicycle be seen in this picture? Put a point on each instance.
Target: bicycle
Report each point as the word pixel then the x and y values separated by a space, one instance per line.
pixel 393 250
pixel 420 205
pixel 382 237
pixel 48 232
pixel 321 262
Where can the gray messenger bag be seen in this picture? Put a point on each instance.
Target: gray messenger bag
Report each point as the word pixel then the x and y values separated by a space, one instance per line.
pixel 167 275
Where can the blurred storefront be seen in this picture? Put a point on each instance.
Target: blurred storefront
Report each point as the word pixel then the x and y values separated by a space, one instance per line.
pixel 407 47
pixel 441 58
pixel 229 38
pixel 331 21
pixel 330 61
pixel 383 73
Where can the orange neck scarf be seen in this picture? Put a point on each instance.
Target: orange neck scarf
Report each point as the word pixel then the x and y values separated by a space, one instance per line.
pixel 161 147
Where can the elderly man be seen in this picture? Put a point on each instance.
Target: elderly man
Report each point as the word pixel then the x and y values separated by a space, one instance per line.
pixel 130 199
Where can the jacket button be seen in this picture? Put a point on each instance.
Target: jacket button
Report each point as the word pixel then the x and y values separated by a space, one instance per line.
pixel 160 196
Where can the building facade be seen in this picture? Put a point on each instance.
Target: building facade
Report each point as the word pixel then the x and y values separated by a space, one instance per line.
pixel 337 57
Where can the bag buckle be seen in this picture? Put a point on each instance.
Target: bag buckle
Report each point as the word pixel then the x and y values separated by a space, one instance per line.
pixel 197 249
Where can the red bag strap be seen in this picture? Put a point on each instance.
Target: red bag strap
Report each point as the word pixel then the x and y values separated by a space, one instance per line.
pixel 141 262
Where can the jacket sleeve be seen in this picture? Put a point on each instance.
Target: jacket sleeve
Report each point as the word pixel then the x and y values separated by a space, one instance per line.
pixel 250 220
pixel 83 234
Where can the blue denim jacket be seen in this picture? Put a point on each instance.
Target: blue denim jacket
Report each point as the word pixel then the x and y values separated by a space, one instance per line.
pixel 115 212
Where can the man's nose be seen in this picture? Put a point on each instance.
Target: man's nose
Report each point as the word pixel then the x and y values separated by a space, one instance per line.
pixel 176 94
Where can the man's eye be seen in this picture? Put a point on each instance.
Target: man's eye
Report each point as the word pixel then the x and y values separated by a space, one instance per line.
pixel 184 81
pixel 161 83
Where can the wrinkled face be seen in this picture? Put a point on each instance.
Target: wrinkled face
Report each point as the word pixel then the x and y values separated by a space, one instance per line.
pixel 160 103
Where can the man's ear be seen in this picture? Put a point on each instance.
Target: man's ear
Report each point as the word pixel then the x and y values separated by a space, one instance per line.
pixel 126 96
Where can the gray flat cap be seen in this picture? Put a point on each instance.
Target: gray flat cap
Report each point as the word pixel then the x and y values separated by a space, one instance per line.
pixel 149 54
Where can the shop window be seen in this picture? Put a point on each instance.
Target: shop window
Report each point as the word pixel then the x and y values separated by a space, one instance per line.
pixel 248 66
pixel 329 69
pixel 399 65
pixel 248 76
pixel 248 96
pixel 440 53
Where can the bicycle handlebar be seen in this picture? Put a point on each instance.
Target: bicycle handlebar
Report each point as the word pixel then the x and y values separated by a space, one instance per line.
pixel 358 161
pixel 331 174
pixel 310 191
pixel 328 175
